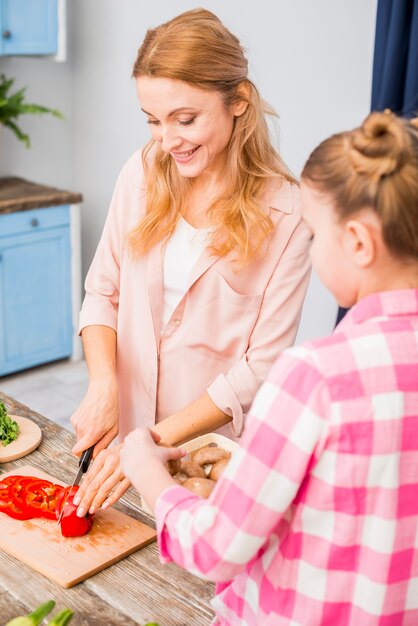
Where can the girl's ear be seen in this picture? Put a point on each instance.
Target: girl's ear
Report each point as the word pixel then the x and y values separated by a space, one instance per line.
pixel 360 242
pixel 243 95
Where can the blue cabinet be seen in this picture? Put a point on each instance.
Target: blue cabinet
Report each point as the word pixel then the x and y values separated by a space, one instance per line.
pixel 35 288
pixel 28 27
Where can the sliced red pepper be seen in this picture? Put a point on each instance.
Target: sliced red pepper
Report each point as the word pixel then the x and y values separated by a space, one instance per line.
pixel 7 505
pixel 25 497
pixel 4 489
pixel 71 524
pixel 17 490
pixel 17 513
pixel 40 498
pixel 5 484
pixel 7 481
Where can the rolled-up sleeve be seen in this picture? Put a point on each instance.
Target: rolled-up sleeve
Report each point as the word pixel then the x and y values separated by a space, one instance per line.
pixel 274 331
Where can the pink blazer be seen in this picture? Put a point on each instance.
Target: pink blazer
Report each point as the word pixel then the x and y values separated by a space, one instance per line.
pixel 226 331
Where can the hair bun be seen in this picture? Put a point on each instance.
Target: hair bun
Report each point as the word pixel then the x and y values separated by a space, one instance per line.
pixel 380 146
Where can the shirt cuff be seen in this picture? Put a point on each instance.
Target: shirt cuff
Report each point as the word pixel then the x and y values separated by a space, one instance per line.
pixel 234 393
pixel 98 316
pixel 222 394
pixel 168 500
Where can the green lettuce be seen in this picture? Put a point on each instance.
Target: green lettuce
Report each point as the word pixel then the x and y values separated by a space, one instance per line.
pixel 9 429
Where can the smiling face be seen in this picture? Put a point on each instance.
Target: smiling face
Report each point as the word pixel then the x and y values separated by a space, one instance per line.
pixel 192 125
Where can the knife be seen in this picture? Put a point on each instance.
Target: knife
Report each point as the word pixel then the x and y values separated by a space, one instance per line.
pixel 83 466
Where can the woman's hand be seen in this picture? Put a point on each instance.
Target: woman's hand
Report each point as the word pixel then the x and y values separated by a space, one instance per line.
pixel 145 463
pixel 103 484
pixel 96 421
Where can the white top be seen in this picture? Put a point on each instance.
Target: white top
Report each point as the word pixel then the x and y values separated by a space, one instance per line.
pixel 181 253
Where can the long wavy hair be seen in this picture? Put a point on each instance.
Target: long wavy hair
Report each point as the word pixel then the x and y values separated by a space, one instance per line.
pixel 195 47
pixel 374 166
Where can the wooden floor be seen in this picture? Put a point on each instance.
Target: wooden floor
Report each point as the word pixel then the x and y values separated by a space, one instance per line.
pixel 55 390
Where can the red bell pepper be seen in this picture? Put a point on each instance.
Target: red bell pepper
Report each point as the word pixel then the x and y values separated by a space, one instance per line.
pixel 26 497
pixel 71 524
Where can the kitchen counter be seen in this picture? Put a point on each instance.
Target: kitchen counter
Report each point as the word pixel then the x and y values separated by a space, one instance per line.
pixel 133 591
pixel 40 258
pixel 18 194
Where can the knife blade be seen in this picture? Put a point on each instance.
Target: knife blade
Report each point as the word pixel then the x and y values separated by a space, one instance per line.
pixel 83 466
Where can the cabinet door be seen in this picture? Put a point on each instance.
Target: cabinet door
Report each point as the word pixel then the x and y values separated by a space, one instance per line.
pixel 28 27
pixel 35 304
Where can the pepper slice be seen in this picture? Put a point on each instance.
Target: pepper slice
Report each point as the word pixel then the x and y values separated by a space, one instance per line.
pixel 40 498
pixel 16 493
pixel 71 524
pixel 4 489
pixel 14 511
pixel 6 503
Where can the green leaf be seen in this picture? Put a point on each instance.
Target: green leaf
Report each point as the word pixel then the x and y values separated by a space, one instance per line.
pixel 19 134
pixel 13 105
pixel 34 618
pixel 9 429
pixel 62 618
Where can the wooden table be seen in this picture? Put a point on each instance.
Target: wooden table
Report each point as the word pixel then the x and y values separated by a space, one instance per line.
pixel 136 590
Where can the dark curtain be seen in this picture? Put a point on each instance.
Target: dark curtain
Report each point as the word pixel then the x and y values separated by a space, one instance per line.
pixel 395 62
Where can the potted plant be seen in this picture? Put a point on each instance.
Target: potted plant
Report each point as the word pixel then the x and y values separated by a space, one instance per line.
pixel 13 105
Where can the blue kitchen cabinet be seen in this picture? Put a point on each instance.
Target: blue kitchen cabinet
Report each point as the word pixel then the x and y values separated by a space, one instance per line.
pixel 28 27
pixel 35 287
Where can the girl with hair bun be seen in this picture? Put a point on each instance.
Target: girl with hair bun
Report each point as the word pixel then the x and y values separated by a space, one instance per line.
pixel 314 521
pixel 201 271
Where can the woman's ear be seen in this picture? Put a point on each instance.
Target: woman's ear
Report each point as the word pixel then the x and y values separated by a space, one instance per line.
pixel 360 241
pixel 242 97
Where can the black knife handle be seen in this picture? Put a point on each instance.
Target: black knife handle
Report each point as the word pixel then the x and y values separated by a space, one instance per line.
pixel 85 459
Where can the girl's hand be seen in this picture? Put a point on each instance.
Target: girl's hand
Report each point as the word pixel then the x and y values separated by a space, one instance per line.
pixel 145 463
pixel 96 421
pixel 103 484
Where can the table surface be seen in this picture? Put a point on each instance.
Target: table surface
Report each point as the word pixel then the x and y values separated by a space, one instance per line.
pixel 136 590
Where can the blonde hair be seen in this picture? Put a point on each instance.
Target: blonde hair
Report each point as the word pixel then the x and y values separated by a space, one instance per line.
pixel 195 47
pixel 373 166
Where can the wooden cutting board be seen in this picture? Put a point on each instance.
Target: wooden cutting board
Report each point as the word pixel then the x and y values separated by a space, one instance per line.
pixel 69 560
pixel 27 441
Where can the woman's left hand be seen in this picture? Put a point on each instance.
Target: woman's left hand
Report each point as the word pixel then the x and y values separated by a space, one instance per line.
pixel 103 484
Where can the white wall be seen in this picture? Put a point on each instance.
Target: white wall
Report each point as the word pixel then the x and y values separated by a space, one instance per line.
pixel 311 60
pixel 49 160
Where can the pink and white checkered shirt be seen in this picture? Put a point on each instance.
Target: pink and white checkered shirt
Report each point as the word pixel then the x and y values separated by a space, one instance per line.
pixel 315 520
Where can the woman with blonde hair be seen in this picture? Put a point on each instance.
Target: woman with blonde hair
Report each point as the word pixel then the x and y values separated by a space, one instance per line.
pixel 201 271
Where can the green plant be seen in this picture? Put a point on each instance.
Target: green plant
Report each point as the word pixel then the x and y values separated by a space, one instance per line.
pixel 13 105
